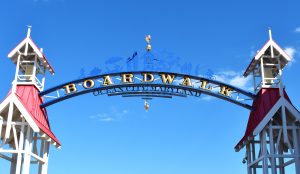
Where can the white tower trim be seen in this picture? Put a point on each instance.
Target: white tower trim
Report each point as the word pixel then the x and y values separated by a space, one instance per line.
pixel 273 131
pixel 25 134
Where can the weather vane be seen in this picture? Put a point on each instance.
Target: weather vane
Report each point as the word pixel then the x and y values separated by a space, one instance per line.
pixel 148 39
pixel 148 48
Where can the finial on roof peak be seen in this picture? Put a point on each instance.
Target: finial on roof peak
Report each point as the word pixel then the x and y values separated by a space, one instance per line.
pixel 28 30
pixel 270 33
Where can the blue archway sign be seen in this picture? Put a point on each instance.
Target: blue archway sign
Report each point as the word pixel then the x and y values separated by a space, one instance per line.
pixel 147 84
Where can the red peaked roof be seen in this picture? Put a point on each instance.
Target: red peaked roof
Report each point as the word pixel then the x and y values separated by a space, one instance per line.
pixel 28 96
pixel 266 98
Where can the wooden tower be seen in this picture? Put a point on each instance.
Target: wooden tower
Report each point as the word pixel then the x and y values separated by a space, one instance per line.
pixel 272 137
pixel 25 133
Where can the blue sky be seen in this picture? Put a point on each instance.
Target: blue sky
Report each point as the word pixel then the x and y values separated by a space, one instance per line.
pixel 114 135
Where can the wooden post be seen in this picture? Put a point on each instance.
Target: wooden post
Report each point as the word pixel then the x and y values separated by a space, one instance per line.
pixel 20 148
pixel 253 155
pixel 281 160
pixel 283 117
pixel 264 151
pixel 249 159
pixel 27 155
pixel 45 157
pixel 296 149
pixel 262 71
pixel 42 149
pixel 272 150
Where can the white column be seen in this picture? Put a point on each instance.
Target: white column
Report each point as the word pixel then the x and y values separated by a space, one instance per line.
pixel 281 161
pixel 284 129
pixel 249 159
pixel 20 148
pixel 253 155
pixel 280 77
pixel 262 71
pixel 264 152
pixel 42 155
pixel 46 157
pixel 254 80
pixel 272 150
pixel 27 155
pixel 296 149
pixel 16 74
